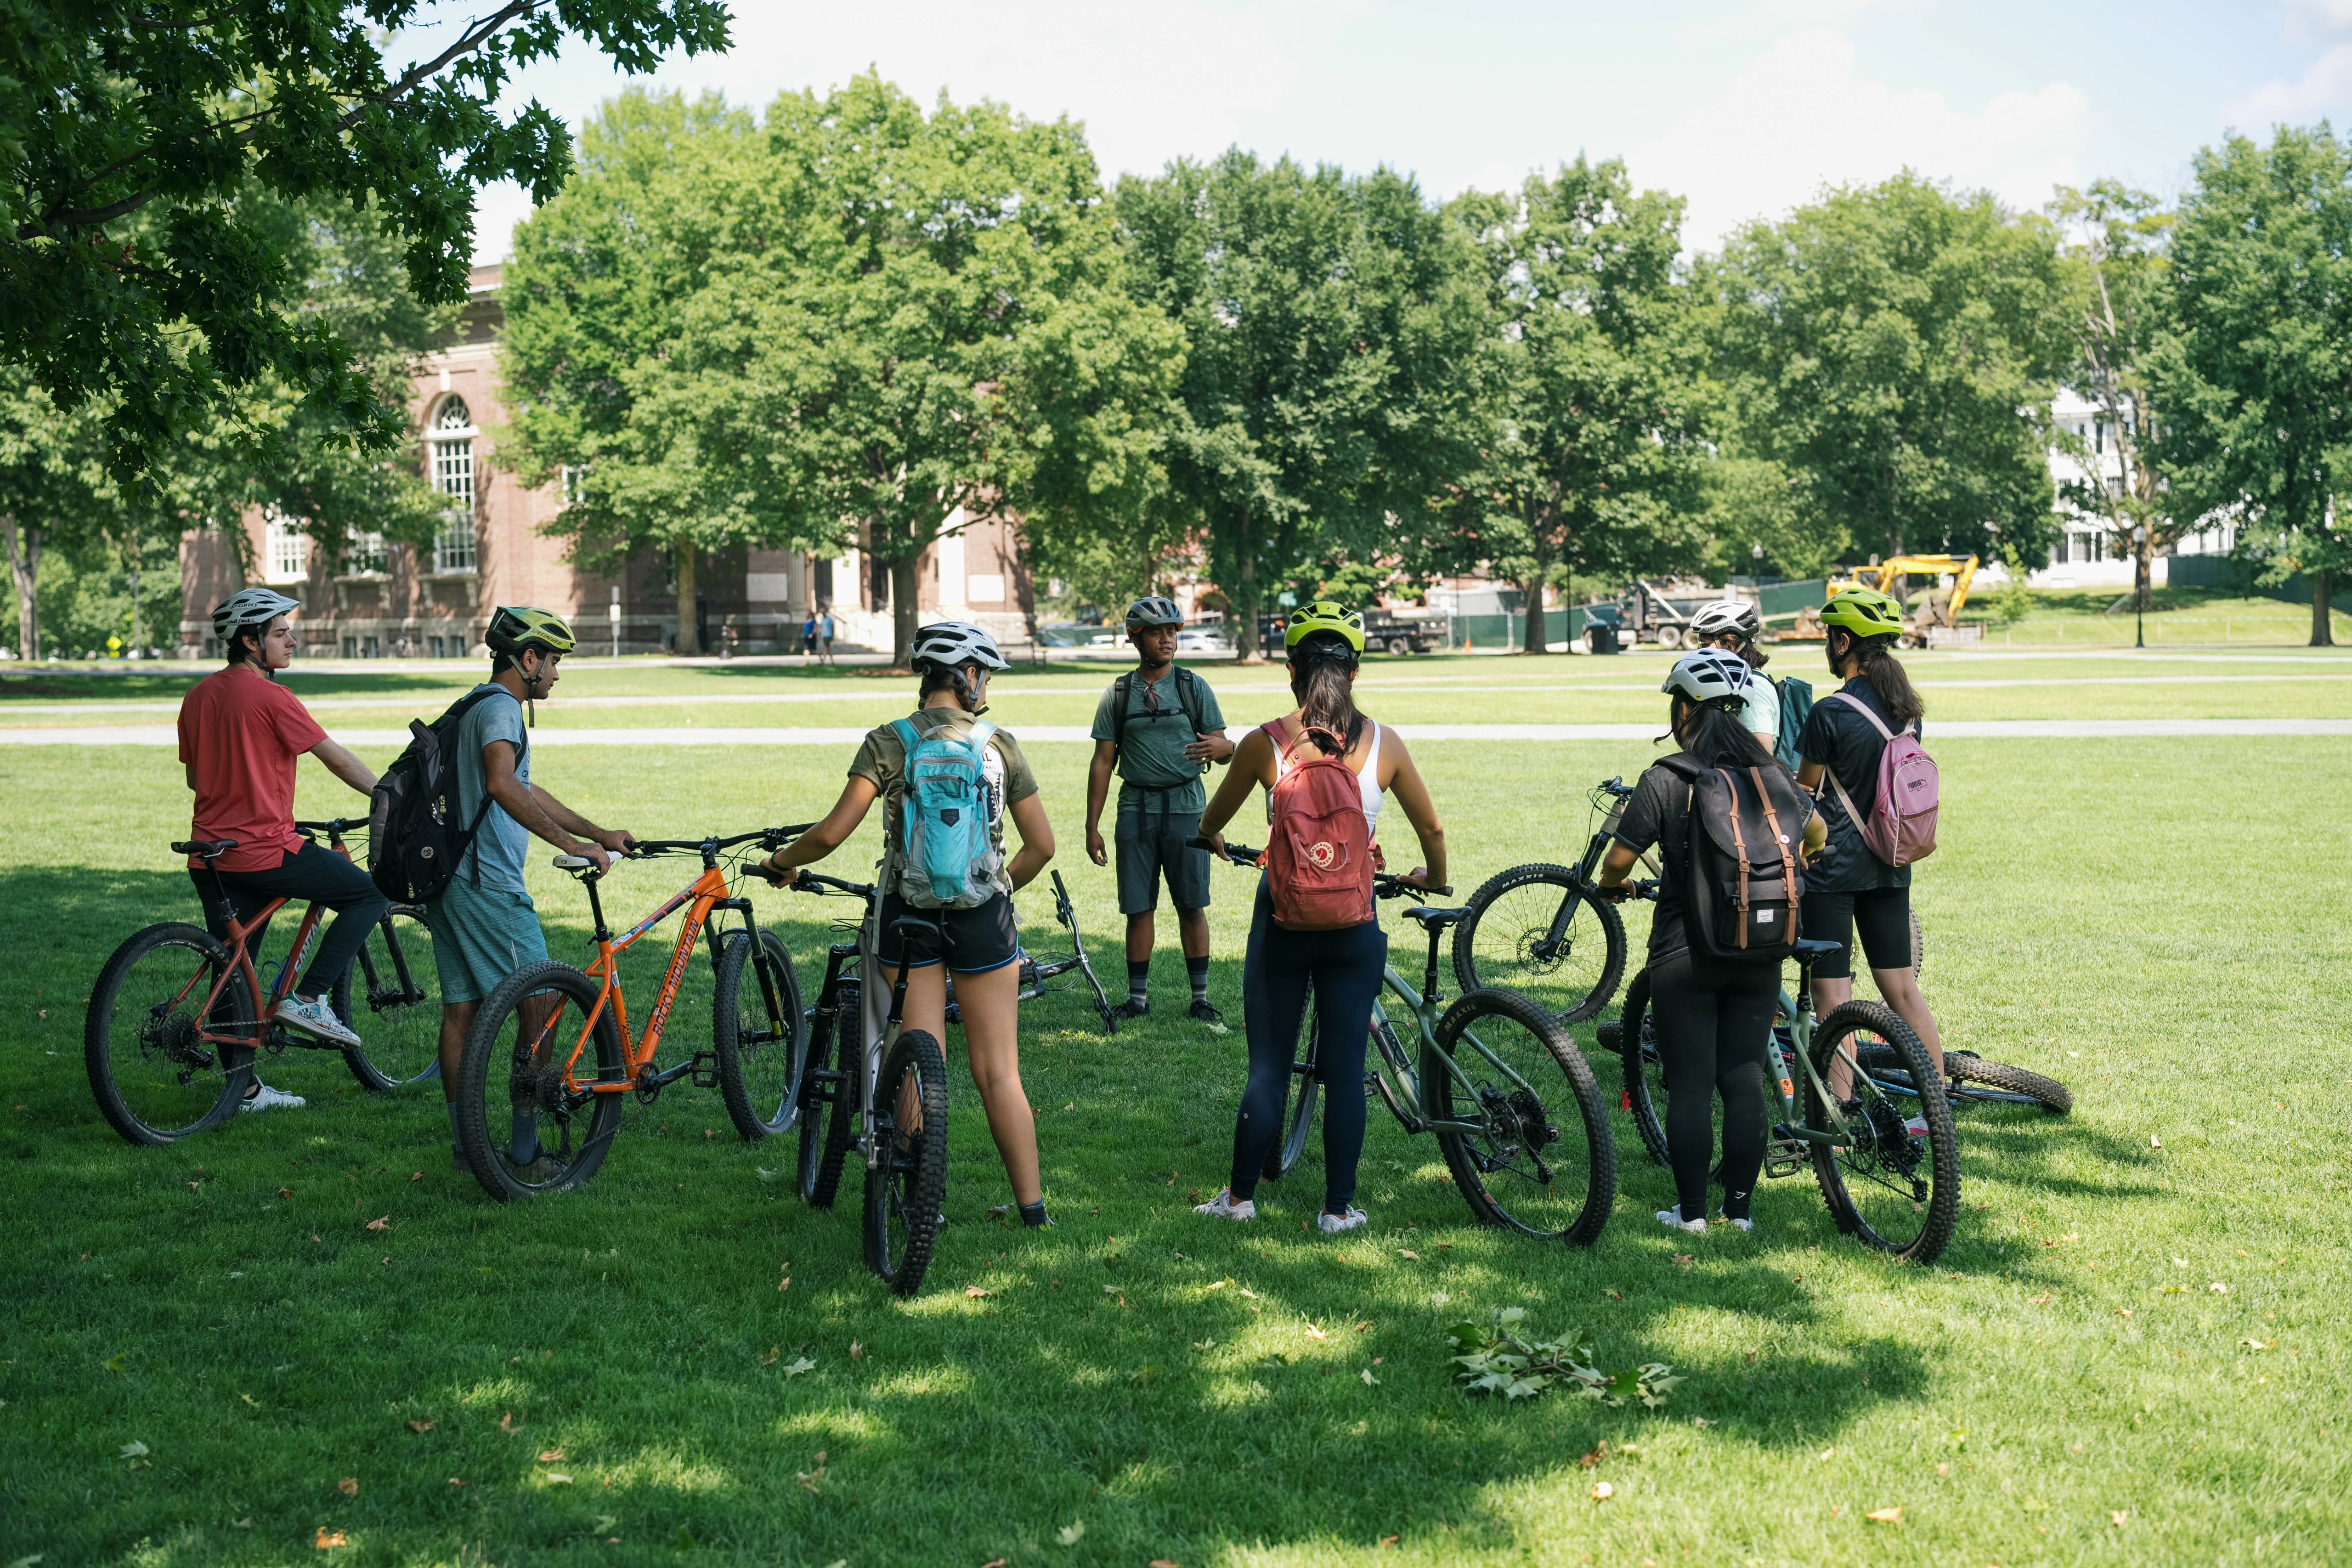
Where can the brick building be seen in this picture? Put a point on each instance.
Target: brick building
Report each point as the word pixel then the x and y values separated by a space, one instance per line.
pixel 388 601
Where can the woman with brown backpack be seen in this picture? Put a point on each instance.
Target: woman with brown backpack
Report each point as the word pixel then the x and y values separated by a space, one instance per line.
pixel 1326 768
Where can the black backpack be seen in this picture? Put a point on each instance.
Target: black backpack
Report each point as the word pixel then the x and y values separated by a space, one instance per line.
pixel 1744 877
pixel 414 845
pixel 1188 707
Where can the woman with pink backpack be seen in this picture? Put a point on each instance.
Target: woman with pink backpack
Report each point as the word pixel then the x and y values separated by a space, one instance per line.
pixel 1326 769
pixel 1862 882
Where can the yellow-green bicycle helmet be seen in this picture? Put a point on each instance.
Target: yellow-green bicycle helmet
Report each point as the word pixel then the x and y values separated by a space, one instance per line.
pixel 517 627
pixel 1323 615
pixel 1864 612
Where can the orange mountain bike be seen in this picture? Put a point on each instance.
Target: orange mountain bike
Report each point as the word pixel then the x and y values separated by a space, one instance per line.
pixel 556 1038
pixel 177 1015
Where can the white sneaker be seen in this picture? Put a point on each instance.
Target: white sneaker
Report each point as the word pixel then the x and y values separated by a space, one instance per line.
pixel 1672 1220
pixel 1333 1224
pixel 265 1098
pixel 315 1019
pixel 1742 1224
pixel 1222 1207
pixel 1916 1125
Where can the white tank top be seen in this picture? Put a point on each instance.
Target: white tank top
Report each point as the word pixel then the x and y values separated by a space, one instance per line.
pixel 1367 779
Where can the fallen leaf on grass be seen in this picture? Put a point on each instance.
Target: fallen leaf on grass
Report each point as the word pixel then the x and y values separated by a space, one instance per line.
pixel 1592 1458
pixel 1315 1333
pixel 1826 1454
pixel 977 1291
pixel 809 1479
pixel 1884 1516
pixel 1439 1298
pixel 455 1481
pixel 1602 1491
pixel 2154 1142
pixel 383 1224
pixel 326 1543
pixel 1163 1562
pixel 1408 1252
pixel 2123 1312
pixel 1369 1381
pixel 858 1350
pixel 1249 1293
pixel 708 1134
pixel 1069 1533
pixel 1701 1421
pixel 2218 1288
pixel 509 1425
pixel 2041 1300
pixel 768 1357
pixel 349 1485
pixel 1072 1106
pixel 1684 1259
pixel 800 1366
pixel 286 1192
pixel 420 1427
pixel 1204 1344
pixel 785 1283
pixel 550 1457
pixel 1216 1285
pixel 2258 1344
pixel 2116 1516
pixel 555 1480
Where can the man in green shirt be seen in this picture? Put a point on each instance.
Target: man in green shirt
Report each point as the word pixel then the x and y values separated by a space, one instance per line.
pixel 1161 727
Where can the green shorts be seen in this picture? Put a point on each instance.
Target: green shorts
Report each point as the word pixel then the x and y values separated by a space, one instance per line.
pixel 1152 845
pixel 481 935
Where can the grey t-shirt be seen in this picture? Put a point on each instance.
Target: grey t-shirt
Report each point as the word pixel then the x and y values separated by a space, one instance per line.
pixel 495 858
pixel 1152 767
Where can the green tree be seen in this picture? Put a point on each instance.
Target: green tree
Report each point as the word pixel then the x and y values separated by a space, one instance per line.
pixel 1328 322
pixel 1594 409
pixel 1896 346
pixel 132 271
pixel 2115 240
pixel 2255 370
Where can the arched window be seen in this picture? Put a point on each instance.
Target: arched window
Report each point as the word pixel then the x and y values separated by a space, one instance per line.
pixel 452 475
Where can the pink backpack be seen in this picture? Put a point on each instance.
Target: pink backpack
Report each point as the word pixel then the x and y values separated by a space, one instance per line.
pixel 1318 852
pixel 1901 827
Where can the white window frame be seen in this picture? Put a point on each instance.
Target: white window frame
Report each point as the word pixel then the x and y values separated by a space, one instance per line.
pixel 449 466
pixel 285 550
pixel 366 556
pixel 573 477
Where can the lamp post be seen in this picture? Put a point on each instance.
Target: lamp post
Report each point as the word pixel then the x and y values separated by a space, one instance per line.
pixel 613 612
pixel 2139 589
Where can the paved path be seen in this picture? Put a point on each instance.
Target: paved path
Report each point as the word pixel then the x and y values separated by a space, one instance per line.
pixel 716 735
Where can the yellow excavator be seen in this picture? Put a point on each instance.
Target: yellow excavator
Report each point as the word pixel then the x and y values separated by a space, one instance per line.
pixel 1937 612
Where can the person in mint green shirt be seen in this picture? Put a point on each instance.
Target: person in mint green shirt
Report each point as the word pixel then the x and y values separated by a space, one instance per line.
pixel 1161 727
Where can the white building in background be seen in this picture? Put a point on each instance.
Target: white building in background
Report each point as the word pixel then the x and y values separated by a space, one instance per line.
pixel 2085 555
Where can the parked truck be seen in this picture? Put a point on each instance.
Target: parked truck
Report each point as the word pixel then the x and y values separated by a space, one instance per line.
pixel 1398 632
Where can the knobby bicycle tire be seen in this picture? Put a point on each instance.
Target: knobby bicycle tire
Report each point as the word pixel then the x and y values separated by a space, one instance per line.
pixel 2047 1092
pixel 1871 1185
pixel 1526 1133
pixel 390 996
pixel 1643 1074
pixel 1300 1094
pixel 760 1081
pixel 906 1187
pixel 151 1036
pixel 579 1150
pixel 1507 962
pixel 825 1150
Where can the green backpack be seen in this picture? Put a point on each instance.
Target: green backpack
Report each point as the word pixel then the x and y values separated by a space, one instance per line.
pixel 1796 707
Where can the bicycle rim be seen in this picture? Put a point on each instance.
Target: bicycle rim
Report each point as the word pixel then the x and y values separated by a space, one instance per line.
pixel 154 1080
pixel 762 1050
pixel 524 1131
pixel 390 996
pixel 1542 1159
pixel 1892 1180
pixel 824 1143
pixel 1506 942
pixel 906 1186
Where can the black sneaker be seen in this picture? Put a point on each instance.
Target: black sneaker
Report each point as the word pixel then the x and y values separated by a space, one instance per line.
pixel 1131 1008
pixel 1206 1012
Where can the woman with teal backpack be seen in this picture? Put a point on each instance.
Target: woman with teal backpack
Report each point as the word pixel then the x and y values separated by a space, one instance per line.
pixel 965 884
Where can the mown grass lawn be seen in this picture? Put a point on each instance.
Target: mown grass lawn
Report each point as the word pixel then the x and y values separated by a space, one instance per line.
pixel 2158 922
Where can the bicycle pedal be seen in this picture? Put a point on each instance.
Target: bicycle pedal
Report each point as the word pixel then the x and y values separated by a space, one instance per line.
pixel 705 1072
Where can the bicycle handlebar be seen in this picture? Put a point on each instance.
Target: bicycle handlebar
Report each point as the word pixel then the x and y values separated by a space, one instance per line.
pixel 331 825
pixel 810 882
pixel 774 838
pixel 1385 884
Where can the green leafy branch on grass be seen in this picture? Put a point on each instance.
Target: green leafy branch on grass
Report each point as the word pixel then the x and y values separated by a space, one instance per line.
pixel 1493 1358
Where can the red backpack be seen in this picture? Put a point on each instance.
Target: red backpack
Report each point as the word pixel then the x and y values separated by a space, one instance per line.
pixel 1318 852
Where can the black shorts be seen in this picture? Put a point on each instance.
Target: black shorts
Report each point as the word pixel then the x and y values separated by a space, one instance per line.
pixel 1882 915
pixel 972 941
pixel 1151 845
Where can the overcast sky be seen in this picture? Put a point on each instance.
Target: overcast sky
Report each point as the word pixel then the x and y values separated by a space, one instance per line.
pixel 1746 108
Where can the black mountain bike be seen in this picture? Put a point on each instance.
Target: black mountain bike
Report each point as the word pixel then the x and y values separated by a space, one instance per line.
pixel 1036 972
pixel 1544 930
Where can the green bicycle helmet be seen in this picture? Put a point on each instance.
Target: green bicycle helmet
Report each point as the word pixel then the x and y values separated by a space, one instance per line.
pixel 1864 612
pixel 1324 615
pixel 519 626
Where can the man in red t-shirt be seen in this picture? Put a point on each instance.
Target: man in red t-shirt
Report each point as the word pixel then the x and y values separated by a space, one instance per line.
pixel 240 733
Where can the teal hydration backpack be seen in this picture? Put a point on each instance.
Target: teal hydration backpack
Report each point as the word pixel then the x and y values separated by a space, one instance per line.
pixel 1796 707
pixel 948 860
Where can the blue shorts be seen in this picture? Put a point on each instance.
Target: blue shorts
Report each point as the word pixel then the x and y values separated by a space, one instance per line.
pixel 481 935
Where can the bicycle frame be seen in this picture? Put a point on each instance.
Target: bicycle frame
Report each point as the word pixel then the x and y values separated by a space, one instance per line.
pixel 239 947
pixel 878 1032
pixel 1404 1099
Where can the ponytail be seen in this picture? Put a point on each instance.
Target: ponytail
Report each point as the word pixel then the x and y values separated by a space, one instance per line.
pixel 1322 677
pixel 1714 735
pixel 1887 678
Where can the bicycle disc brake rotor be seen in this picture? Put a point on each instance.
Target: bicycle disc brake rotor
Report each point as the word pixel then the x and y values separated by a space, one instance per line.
pixel 1541 954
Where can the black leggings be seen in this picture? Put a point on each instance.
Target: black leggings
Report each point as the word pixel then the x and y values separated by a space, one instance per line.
pixel 311 875
pixel 1345 967
pixel 1713 1021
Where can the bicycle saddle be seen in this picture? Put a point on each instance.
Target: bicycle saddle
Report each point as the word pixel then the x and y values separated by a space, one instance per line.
pixel 908 925
pixel 206 848
pixel 1810 950
pixel 1436 919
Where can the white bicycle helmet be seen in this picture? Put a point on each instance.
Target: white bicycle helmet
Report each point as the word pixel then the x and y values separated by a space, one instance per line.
pixel 1154 610
pixel 1727 615
pixel 250 608
pixel 1710 675
pixel 954 644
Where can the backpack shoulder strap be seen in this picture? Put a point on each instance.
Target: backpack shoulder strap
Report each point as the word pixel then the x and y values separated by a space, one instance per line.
pixel 981 734
pixel 908 736
pixel 1120 689
pixel 1188 696
pixel 1859 706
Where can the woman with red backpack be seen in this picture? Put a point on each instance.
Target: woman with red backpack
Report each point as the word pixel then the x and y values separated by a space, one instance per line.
pixel 1853 888
pixel 1326 769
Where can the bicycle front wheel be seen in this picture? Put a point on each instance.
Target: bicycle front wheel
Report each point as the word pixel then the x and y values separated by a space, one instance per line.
pixel 1894 1180
pixel 1532 1148
pixel 1301 1095
pixel 905 1188
pixel 824 1140
pixel 760 1035
pixel 550 1136
pixel 1533 930
pixel 155 1079
pixel 1643 1072
pixel 390 996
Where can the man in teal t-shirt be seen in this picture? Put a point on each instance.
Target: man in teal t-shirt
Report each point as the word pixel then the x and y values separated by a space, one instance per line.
pixel 1161 727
